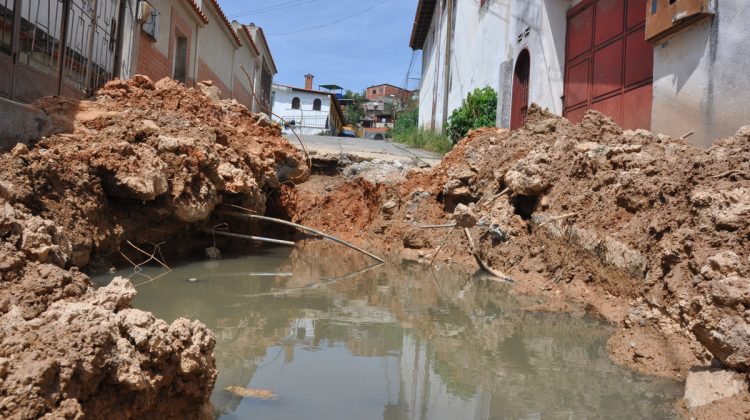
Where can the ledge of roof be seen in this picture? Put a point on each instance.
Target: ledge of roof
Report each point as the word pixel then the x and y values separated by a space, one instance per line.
pixel 227 24
pixel 422 21
pixel 250 38
pixel 198 12
pixel 262 36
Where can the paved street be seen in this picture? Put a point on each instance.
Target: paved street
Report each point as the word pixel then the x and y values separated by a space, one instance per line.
pixel 369 149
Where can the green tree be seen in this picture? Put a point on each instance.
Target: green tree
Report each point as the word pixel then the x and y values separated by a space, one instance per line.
pixel 354 113
pixel 478 110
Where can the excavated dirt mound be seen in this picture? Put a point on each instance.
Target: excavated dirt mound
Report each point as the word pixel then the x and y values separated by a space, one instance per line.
pixel 648 232
pixel 143 162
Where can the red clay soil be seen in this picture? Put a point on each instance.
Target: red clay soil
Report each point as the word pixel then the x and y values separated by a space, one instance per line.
pixel 647 232
pixel 142 162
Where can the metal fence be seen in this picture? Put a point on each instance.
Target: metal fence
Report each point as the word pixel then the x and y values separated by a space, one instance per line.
pixel 301 120
pixel 56 47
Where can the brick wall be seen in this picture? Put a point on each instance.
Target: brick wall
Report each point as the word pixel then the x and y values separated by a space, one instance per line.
pixel 241 94
pixel 385 91
pixel 205 73
pixel 152 62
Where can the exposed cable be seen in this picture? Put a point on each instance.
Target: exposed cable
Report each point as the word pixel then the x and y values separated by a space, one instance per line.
pixel 332 22
pixel 280 6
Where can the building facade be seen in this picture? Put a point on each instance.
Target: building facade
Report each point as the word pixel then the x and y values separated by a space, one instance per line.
pixel 387 91
pixel 307 111
pixel 73 47
pixel 574 55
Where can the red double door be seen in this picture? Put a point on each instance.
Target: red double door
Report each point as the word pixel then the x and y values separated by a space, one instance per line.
pixel 608 63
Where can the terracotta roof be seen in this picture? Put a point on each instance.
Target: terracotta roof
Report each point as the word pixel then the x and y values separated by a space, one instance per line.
pixel 227 24
pixel 198 12
pixel 422 21
pixel 305 90
pixel 250 38
pixel 263 36
pixel 265 43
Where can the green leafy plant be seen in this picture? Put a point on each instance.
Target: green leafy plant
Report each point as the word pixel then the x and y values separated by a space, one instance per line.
pixel 479 109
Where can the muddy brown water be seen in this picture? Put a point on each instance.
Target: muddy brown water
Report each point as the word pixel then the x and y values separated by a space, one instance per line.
pixel 394 342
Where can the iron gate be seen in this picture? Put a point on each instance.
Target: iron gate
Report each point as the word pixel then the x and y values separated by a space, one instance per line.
pixel 56 47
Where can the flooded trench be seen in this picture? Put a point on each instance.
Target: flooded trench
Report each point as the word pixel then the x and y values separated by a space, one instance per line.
pixel 392 342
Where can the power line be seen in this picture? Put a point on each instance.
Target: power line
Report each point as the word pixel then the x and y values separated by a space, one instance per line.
pixel 280 6
pixel 408 71
pixel 332 22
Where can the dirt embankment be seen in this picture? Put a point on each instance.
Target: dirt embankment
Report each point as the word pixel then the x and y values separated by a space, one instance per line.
pixel 143 162
pixel 648 232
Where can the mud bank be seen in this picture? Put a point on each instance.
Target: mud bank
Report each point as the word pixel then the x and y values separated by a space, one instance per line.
pixel 143 163
pixel 645 231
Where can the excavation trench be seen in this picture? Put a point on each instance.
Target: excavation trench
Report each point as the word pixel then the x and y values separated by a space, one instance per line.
pixel 627 253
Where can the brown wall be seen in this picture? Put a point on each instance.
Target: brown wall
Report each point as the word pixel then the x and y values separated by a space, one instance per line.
pixel 384 91
pixel 152 62
pixel 205 73
pixel 241 94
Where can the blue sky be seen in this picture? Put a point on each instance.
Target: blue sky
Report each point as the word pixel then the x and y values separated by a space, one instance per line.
pixel 364 50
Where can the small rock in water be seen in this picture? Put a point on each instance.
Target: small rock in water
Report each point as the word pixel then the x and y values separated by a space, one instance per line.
pixel 192 279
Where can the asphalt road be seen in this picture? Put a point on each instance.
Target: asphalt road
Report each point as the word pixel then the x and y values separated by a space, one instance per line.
pixel 368 149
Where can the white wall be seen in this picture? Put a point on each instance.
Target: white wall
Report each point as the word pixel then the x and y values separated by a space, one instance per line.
pixel 480 45
pixel 701 77
pixel 217 46
pixel 546 24
pixel 307 120
pixel 246 57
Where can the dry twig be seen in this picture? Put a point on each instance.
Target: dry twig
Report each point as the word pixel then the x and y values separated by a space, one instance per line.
pixel 447 225
pixel 495 197
pixel 437 251
pixel 554 219
pixel 733 172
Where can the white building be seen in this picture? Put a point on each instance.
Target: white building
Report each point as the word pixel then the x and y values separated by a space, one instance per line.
pixel 308 111
pixel 573 55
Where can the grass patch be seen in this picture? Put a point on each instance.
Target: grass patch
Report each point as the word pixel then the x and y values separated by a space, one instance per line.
pixel 406 131
pixel 425 140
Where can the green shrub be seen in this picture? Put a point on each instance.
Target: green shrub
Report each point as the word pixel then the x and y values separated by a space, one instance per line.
pixel 406 131
pixel 478 110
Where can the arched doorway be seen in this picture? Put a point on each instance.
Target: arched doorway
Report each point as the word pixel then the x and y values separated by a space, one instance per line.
pixel 520 99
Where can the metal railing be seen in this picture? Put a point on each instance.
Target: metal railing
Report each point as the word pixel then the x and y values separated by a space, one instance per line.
pixel 54 46
pixel 313 121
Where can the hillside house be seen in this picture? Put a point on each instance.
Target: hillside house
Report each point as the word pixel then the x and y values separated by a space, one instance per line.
pixel 574 55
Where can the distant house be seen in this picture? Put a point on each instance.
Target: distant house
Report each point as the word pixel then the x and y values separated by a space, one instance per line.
pixel 669 66
pixel 387 91
pixel 383 102
pixel 306 110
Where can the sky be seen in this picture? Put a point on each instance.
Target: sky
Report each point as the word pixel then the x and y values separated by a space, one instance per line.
pixel 356 52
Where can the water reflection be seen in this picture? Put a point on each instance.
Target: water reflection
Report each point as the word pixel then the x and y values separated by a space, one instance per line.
pixel 394 342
